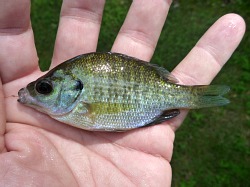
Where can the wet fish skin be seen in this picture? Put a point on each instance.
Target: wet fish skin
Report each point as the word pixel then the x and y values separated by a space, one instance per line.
pixel 115 92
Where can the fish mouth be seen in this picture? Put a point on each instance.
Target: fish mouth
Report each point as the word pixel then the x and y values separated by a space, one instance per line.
pixel 26 99
pixel 23 95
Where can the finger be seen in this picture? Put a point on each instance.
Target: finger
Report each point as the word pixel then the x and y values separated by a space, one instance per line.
pixel 78 29
pixel 141 30
pixel 211 52
pixel 18 54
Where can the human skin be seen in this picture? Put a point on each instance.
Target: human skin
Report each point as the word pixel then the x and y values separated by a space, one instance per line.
pixel 39 151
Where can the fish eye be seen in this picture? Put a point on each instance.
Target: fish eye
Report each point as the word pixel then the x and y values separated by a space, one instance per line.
pixel 79 85
pixel 44 87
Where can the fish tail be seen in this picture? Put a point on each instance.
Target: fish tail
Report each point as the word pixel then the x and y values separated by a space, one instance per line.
pixel 209 96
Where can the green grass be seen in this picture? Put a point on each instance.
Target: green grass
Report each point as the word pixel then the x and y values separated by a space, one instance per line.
pixel 212 146
pixel 45 17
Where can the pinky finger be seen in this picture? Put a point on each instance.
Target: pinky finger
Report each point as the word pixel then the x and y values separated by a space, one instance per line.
pixel 210 54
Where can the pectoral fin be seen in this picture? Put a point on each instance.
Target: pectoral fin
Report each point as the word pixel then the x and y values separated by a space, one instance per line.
pixel 166 115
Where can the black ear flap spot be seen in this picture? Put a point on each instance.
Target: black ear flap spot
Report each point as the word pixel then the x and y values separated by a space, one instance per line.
pixel 79 85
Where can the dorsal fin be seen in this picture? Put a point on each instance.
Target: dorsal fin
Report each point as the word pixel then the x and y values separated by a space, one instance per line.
pixel 164 73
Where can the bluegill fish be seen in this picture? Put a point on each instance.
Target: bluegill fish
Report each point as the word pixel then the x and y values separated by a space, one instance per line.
pixel 115 92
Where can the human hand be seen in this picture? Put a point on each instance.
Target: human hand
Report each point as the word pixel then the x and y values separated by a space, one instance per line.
pixel 39 151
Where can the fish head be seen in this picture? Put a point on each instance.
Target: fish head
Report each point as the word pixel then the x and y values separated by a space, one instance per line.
pixel 55 93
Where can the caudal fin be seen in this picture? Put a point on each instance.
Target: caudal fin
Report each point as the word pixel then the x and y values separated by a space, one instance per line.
pixel 210 96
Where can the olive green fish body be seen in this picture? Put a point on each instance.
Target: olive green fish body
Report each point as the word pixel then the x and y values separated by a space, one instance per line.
pixel 114 92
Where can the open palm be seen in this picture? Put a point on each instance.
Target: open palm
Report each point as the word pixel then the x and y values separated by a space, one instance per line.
pixel 39 151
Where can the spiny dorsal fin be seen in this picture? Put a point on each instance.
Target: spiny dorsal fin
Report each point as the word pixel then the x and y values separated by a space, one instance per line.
pixel 162 71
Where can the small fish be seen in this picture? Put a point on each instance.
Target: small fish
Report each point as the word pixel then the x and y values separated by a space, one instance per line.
pixel 115 92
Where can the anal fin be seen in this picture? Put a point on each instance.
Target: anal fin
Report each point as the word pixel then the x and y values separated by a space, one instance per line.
pixel 165 115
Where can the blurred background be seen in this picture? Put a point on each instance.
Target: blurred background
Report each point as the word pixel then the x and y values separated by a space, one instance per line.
pixel 212 148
